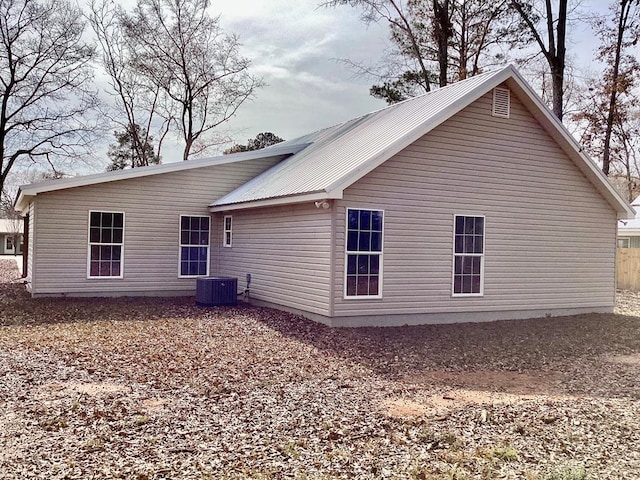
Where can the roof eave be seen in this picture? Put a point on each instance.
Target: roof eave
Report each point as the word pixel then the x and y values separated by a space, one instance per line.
pixel 31 190
pixel 276 201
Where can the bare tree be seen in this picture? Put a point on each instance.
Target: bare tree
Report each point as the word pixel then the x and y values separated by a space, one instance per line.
pixel 45 75
pixel 139 102
pixel 554 47
pixel 435 42
pixel 183 52
pixel 619 81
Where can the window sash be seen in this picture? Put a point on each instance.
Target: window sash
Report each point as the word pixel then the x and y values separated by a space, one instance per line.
pixel 105 239
pixel 194 243
pixel 364 241
pixel 467 279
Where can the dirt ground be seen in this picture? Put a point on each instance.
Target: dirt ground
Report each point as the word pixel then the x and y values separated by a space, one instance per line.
pixel 158 388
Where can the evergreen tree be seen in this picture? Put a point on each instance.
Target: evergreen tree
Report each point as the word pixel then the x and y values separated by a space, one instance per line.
pixel 130 151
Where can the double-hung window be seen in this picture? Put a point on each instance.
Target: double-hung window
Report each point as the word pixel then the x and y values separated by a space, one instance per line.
pixel 106 241
pixel 227 238
pixel 363 273
pixel 468 257
pixel 194 245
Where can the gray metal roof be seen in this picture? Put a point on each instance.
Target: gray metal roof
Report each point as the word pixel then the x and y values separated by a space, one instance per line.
pixel 336 153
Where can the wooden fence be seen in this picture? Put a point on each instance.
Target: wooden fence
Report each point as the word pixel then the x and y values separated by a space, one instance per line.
pixel 628 269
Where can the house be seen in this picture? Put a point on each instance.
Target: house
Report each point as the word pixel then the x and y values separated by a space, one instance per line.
pixel 11 236
pixel 629 230
pixel 468 203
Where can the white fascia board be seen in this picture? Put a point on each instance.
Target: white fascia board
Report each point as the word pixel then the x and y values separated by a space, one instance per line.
pixel 406 140
pixel 272 202
pixel 571 146
pixel 30 190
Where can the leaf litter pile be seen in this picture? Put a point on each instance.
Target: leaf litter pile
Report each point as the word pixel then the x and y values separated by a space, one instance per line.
pixel 150 388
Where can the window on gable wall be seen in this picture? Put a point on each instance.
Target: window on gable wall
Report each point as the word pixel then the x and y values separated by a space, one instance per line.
pixel 106 241
pixel 468 257
pixel 194 245
pixel 363 258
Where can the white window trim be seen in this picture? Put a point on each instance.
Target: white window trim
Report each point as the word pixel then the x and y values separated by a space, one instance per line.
pixel 224 231
pixel 628 239
pixel 347 253
pixel 124 223
pixel 180 245
pixel 481 255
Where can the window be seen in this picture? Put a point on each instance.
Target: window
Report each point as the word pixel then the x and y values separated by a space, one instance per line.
pixel 194 246
pixel 623 242
pixel 106 240
pixel 227 233
pixel 468 257
pixel 8 243
pixel 363 253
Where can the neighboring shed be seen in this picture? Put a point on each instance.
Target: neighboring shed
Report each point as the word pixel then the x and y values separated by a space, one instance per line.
pixel 468 203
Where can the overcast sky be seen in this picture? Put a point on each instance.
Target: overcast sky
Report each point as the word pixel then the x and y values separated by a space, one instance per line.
pixel 294 46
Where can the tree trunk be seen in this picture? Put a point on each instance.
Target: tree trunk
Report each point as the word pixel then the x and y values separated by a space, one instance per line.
pixel 625 5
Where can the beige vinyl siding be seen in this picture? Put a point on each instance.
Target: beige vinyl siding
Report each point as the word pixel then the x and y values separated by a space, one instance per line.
pixel 287 251
pixel 152 207
pixel 550 236
pixel 29 278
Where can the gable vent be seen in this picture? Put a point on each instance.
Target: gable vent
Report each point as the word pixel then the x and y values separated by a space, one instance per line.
pixel 501 102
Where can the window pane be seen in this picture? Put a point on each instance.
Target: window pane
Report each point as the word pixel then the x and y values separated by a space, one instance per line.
pixel 202 253
pixel 364 244
pixel 184 223
pixel 466 284
pixel 351 264
pixel 458 265
pixel 363 264
pixel 468 244
pixel 376 242
pixel 118 220
pixel 107 219
pixel 117 235
pixel 95 252
pixel 363 286
pixel 478 245
pixel 376 221
pixel 374 264
pixel 352 219
pixel 467 265
pixel 459 225
pixel 351 285
pixel 365 220
pixel 476 265
pixel 95 269
pixel 475 284
pixel 227 237
pixel 352 241
pixel 184 268
pixel 457 284
pixel 94 235
pixel 194 238
pixel 115 269
pixel 373 285
pixel 105 236
pixel 105 252
pixel 184 237
pixel 194 223
pixel 479 230
pixel 95 219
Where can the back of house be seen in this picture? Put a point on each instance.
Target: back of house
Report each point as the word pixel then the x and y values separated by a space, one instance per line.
pixel 468 203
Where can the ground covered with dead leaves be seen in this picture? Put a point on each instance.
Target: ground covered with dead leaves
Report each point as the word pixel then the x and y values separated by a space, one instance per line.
pixel 158 388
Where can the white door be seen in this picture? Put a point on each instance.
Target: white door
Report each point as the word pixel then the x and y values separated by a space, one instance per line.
pixel 9 246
